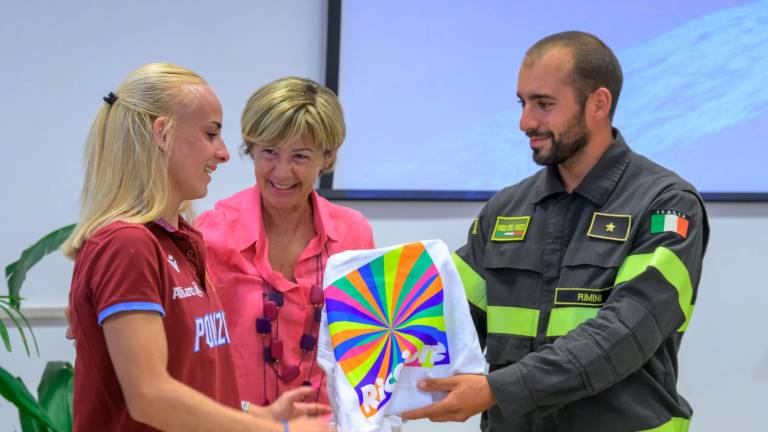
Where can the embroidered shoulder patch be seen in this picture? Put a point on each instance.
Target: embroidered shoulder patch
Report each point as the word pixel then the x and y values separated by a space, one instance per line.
pixel 610 226
pixel 510 228
pixel 668 220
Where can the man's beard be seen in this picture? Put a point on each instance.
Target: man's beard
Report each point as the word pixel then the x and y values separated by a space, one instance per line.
pixel 569 142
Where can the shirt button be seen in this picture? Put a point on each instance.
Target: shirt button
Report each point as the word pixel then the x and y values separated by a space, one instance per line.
pixel 190 253
pixel 295 350
pixel 302 306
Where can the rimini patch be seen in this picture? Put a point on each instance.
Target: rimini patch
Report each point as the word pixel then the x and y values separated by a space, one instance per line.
pixel 581 296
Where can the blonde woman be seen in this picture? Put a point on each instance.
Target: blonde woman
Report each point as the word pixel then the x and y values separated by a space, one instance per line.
pixel 153 345
pixel 268 244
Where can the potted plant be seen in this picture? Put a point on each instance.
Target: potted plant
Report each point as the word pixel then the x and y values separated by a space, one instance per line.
pixel 52 410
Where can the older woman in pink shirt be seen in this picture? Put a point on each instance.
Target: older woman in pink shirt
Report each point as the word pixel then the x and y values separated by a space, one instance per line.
pixel 267 245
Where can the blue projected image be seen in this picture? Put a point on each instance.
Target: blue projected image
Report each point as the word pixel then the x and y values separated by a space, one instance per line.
pixel 429 89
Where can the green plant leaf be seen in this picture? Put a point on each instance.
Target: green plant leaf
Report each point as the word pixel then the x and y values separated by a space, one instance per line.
pixel 4 335
pixel 29 327
pixel 14 390
pixel 16 272
pixel 55 393
pixel 18 326
pixel 9 310
pixel 31 424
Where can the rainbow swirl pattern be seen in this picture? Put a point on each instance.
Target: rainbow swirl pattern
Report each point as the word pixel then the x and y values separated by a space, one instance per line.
pixel 386 315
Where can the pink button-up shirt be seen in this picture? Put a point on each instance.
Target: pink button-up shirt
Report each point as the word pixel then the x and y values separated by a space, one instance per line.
pixel 237 252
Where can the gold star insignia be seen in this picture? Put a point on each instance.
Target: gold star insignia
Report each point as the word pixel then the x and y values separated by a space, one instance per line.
pixel 610 227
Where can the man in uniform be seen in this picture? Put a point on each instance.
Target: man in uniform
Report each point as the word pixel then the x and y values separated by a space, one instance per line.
pixel 581 278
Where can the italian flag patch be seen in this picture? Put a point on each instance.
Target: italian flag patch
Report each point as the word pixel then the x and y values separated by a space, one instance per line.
pixel 669 221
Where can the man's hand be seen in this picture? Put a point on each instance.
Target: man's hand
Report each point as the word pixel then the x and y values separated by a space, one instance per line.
pixel 467 395
pixel 289 405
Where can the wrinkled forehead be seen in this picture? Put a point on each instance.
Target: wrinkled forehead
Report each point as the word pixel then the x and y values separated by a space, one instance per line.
pixel 294 140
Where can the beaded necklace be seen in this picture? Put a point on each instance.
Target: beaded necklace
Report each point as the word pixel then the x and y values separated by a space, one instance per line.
pixel 268 327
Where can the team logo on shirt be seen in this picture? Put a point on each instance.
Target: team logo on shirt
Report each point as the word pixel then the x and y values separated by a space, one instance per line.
pixel 211 330
pixel 172 262
pixel 182 292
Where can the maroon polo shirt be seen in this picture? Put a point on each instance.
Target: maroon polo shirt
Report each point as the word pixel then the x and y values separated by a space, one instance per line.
pixel 152 267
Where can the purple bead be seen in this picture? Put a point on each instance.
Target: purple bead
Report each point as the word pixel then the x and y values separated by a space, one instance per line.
pixel 270 310
pixel 276 297
pixel 289 373
pixel 263 326
pixel 276 349
pixel 307 342
pixel 316 295
pixel 318 314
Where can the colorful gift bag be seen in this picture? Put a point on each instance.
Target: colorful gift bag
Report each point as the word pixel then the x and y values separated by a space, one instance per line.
pixel 392 317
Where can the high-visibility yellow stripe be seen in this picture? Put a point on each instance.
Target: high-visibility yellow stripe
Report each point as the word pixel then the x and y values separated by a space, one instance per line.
pixel 563 320
pixel 684 327
pixel 671 267
pixel 524 321
pixel 474 284
pixel 676 424
pixel 513 320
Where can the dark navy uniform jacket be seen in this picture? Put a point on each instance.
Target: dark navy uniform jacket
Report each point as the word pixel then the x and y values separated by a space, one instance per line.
pixel 581 299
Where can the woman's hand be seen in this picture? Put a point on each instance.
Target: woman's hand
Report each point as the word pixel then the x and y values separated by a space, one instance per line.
pixel 289 405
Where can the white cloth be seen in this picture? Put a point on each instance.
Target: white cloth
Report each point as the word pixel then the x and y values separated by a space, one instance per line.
pixel 404 288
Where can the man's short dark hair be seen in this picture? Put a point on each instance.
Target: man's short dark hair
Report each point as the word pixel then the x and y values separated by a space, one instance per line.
pixel 594 64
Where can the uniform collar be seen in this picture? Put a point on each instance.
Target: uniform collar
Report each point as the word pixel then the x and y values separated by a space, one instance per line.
pixel 248 222
pixel 547 183
pixel 183 235
pixel 599 182
pixel 184 227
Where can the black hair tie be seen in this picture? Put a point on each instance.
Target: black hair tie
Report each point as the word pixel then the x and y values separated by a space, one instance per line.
pixel 110 98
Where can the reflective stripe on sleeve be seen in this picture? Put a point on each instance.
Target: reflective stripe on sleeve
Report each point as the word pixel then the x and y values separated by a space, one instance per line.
pixel 684 327
pixel 563 320
pixel 671 267
pixel 513 320
pixel 676 424
pixel 474 284
pixel 130 306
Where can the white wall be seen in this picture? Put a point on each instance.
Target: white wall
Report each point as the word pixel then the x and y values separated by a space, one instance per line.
pixel 60 58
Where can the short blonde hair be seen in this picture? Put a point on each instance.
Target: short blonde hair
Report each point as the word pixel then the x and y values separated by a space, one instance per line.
pixel 126 175
pixel 289 108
